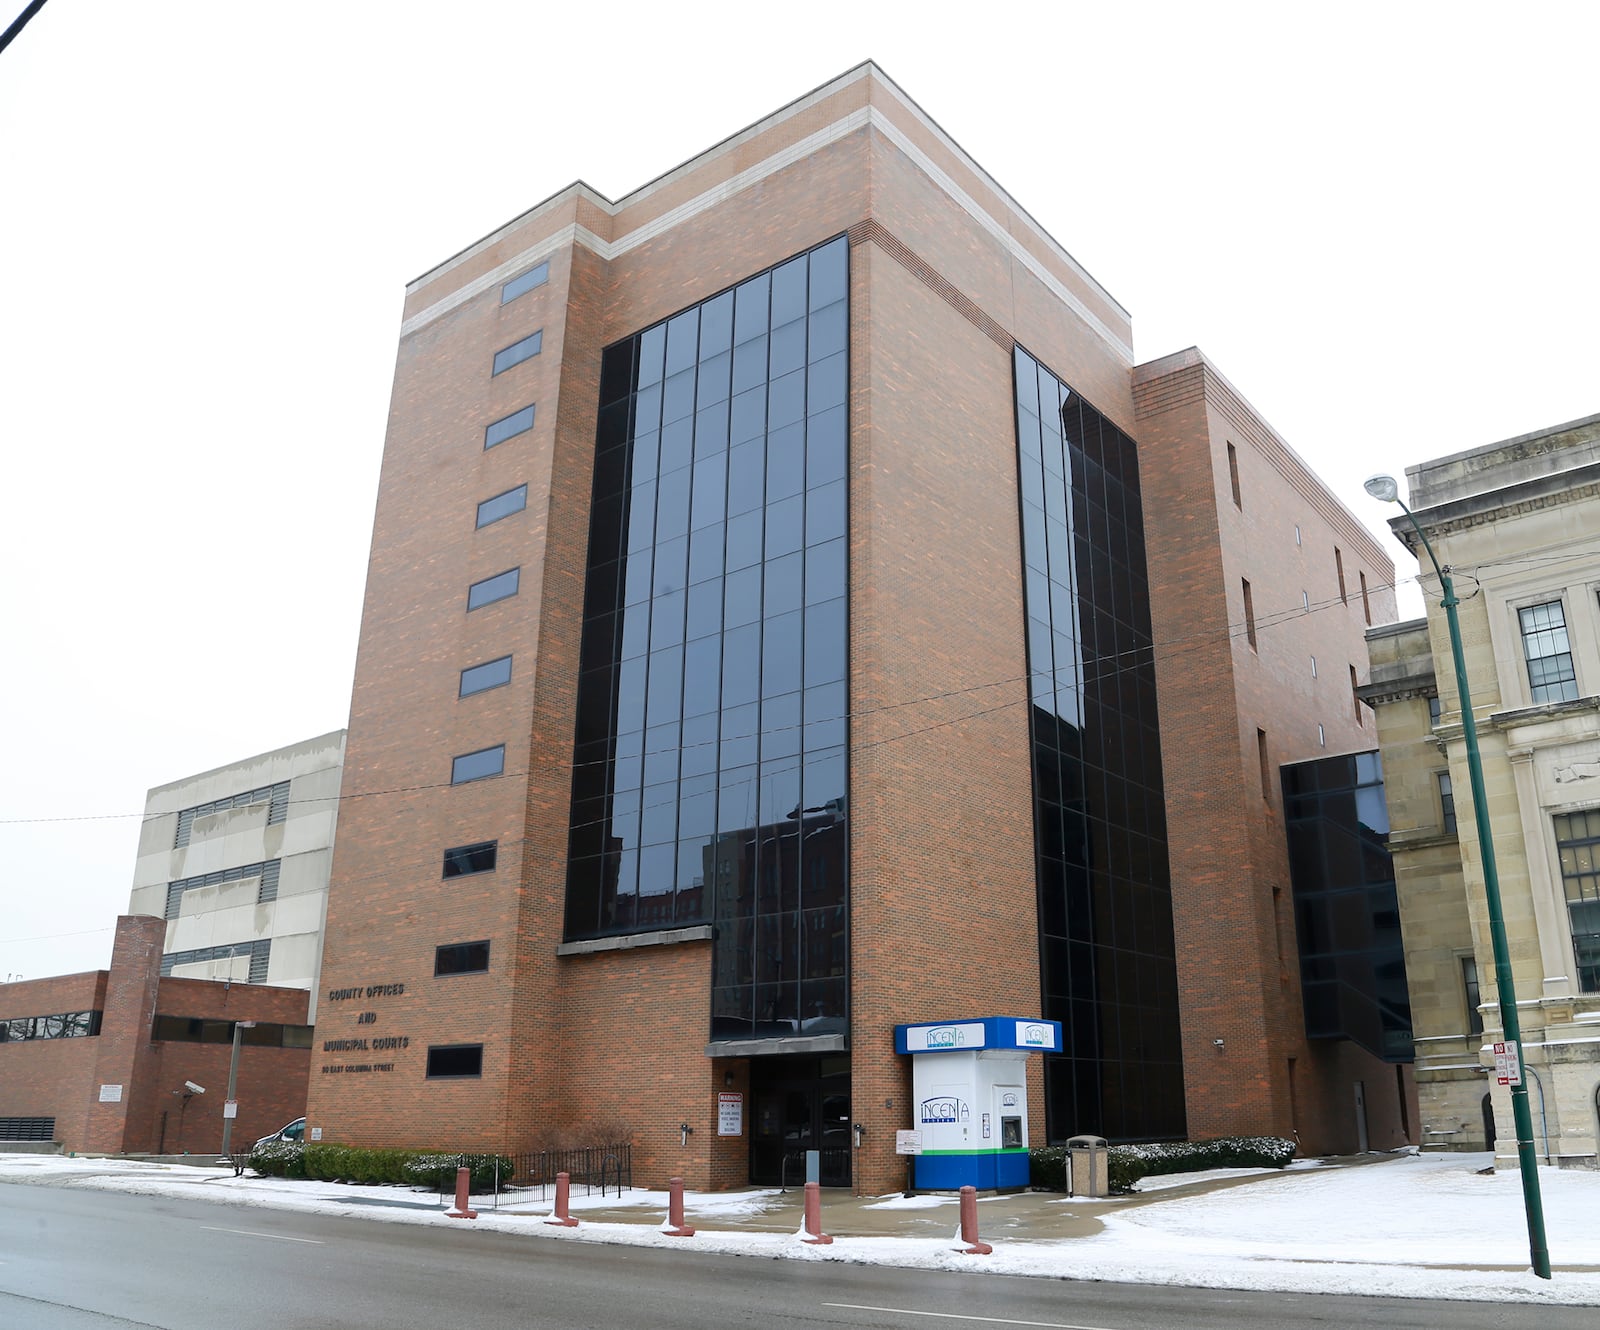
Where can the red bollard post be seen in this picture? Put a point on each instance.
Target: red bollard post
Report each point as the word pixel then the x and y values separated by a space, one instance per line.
pixel 463 1191
pixel 563 1199
pixel 969 1224
pixel 676 1228
pixel 814 1233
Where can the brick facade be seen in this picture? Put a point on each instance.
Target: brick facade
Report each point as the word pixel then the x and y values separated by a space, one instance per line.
pixel 1219 694
pixel 63 1078
pixel 946 274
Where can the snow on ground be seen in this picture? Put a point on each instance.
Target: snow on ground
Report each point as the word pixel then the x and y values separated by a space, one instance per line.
pixel 923 1202
pixel 1395 1227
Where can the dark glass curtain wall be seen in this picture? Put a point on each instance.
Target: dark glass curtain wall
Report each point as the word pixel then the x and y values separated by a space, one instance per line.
pixel 1105 906
pixel 709 767
pixel 1346 909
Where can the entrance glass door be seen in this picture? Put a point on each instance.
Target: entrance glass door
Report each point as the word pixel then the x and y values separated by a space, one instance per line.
pixel 801 1104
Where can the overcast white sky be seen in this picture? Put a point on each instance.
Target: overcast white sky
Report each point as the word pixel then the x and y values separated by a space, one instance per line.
pixel 1377 219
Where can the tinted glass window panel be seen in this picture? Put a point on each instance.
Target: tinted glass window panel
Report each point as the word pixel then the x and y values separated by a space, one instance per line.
pixel 786 349
pixel 699 752
pixel 502 505
pixel 705 605
pixel 711 430
pixel 666 619
pixel 616 382
pixel 748 415
pixel 646 417
pixel 783 578
pixel 741 729
pixel 508 427
pixel 786 462
pixel 780 727
pixel 697 813
pixel 636 626
pixel 824 716
pixel 824 778
pixel 825 571
pixel 702 666
pixel 454 1060
pixel 491 674
pixel 711 493
pixel 642 518
pixel 677 447
pixel 747 466
pixel 652 355
pixel 461 958
pixel 741 665
pixel 677 397
pixel 744 540
pixel 826 383
pixel 525 282
pixel 826 653
pixel 664 691
pixel 780 655
pixel 826 446
pixel 786 400
pixel 788 291
pixel 493 588
pixel 683 334
pixel 464 860
pixel 713 387
pixel 517 352
pixel 750 308
pixel 785 527
pixel 672 505
pixel 830 276
pixel 742 599
pixel 705 556
pixel 829 329
pixel 716 325
pixel 825 513
pixel 479 765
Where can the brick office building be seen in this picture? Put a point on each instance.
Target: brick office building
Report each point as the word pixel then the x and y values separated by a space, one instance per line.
pixel 760 650
pixel 98 1062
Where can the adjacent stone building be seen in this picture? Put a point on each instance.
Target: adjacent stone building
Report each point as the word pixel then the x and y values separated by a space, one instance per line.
pixel 1516 524
pixel 236 860
pixel 106 1062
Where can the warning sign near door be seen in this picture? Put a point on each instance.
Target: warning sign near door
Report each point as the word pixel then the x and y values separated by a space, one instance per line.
pixel 730 1113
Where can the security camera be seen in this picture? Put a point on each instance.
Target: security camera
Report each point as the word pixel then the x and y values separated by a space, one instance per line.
pixel 192 1088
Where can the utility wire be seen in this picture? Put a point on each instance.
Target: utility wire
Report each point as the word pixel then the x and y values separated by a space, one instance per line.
pixel 1096 670
pixel 19 23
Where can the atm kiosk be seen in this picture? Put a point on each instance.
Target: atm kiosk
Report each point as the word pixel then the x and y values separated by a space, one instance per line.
pixel 970 1092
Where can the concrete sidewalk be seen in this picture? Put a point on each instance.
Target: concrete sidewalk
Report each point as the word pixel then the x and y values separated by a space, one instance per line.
pixel 1046 1216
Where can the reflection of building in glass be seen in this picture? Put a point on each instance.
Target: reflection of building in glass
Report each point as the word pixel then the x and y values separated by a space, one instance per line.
pixel 712 683
pixel 1352 962
pixel 1105 914
pixel 783 937
pixel 764 647
pixel 1519 515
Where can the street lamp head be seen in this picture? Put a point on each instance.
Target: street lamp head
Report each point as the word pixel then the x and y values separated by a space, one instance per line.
pixel 1385 489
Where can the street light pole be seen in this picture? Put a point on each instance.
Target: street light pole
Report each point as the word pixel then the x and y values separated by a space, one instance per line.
pixel 239 1027
pixel 1387 490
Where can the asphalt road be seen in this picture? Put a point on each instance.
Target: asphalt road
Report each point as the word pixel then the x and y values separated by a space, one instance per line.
pixel 75 1259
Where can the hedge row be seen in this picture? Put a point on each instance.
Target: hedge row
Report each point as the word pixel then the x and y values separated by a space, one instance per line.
pixel 349 1163
pixel 1126 1164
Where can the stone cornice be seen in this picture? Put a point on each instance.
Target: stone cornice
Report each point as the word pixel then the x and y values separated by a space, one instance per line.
pixel 1579 485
